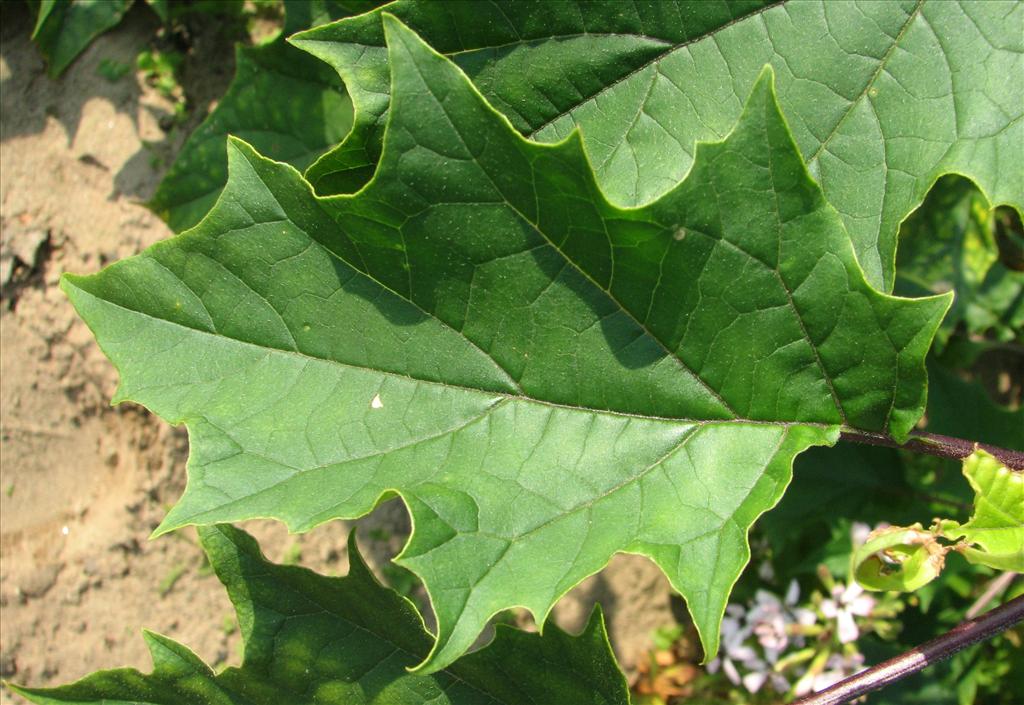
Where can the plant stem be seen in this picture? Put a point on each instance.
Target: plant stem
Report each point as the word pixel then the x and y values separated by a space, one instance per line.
pixel 995 589
pixel 935 444
pixel 898 668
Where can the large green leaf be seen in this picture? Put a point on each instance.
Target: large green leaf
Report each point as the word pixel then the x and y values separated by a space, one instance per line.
pixel 64 28
pixel 282 101
pixel 347 641
pixel 883 97
pixel 545 378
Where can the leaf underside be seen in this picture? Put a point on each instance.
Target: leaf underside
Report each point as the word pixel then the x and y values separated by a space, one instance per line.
pixel 310 638
pixel 543 377
pixel 882 98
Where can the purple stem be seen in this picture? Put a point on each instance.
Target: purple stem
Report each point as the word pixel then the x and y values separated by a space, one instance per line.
pixel 935 444
pixel 957 639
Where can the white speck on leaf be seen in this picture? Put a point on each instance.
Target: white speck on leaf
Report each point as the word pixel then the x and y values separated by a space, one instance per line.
pixel 376 403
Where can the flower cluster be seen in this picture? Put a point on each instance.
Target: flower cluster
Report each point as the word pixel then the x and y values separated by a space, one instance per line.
pixel 798 648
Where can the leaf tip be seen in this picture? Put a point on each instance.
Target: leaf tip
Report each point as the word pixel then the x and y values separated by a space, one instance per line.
pixel 595 622
pixel 400 38
pixel 766 77
pixel 357 566
pixel 238 147
pixel 19 690
pixel 166 526
pixel 392 23
pixel 161 647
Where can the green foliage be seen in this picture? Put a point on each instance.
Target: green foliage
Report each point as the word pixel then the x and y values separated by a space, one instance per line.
pixel 160 69
pixel 907 558
pixel 310 638
pixel 513 313
pixel 994 536
pixel 882 97
pixel 949 244
pixel 113 70
pixel 64 28
pixel 899 558
pixel 309 113
pixel 550 347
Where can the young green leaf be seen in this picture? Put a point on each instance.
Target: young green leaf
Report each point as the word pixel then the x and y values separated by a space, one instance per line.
pixel 883 97
pixel 314 639
pixel 284 102
pixel 994 535
pixel 902 558
pixel 545 378
pixel 64 28
pixel 906 558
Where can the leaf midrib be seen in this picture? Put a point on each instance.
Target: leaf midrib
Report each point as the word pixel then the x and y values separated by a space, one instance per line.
pixel 537 229
pixel 448 385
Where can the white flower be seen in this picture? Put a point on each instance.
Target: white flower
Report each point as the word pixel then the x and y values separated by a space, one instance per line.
pixel 846 602
pixel 805 617
pixel 734 651
pixel 859 533
pixel 770 618
pixel 753 681
pixel 767 620
pixel 837 668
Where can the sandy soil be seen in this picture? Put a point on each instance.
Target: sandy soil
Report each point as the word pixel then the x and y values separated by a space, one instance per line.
pixel 82 483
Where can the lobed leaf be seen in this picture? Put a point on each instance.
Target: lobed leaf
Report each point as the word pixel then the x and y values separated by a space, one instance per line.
pixel 312 639
pixel 545 378
pixel 582 47
pixel 882 98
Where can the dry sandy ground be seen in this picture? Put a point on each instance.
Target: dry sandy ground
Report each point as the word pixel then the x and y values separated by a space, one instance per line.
pixel 84 483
